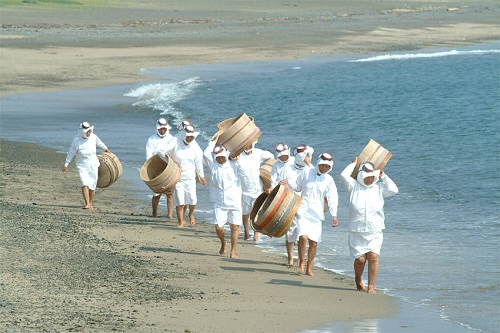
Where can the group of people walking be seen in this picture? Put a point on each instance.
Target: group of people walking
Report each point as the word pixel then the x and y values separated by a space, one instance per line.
pixel 235 185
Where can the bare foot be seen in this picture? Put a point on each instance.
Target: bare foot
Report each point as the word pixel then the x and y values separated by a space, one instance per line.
pixel 247 236
pixel 290 263
pixel 87 207
pixel 310 273
pixel 360 286
pixel 223 248
pixel 192 221
pixel 233 256
pixel 300 268
pixel 255 239
pixel 180 225
pixel 170 216
pixel 371 290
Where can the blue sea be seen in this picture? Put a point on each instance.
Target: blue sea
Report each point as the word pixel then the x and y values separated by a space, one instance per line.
pixel 437 111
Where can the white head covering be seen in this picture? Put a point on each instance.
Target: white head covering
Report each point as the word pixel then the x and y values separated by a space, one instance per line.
pixel 220 151
pixel 300 152
pixel 367 169
pixel 83 128
pixel 183 124
pixel 248 151
pixel 282 150
pixel 188 131
pixel 162 123
pixel 325 159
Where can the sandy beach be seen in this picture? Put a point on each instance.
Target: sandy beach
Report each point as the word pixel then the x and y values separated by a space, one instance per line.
pixel 118 269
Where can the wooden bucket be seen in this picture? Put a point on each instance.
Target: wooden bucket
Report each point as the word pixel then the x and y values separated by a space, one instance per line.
pixel 272 214
pixel 375 153
pixel 159 175
pixel 237 133
pixel 110 169
pixel 265 173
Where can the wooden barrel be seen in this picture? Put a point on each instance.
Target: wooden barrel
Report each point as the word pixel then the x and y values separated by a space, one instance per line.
pixel 110 169
pixel 272 214
pixel 265 173
pixel 159 175
pixel 237 133
pixel 375 153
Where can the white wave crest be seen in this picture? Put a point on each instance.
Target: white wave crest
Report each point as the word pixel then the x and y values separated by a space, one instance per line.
pixel 424 55
pixel 163 96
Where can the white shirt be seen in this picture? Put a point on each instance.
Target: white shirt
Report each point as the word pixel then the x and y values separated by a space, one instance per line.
pixel 249 166
pixel 279 170
pixel 366 203
pixel 84 151
pixel 225 186
pixel 314 189
pixel 155 144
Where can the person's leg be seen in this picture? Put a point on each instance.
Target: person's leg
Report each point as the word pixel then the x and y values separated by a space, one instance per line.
pixel 255 236
pixel 302 253
pixel 85 192
pixel 91 198
pixel 311 254
pixel 180 210
pixel 372 271
pixel 192 220
pixel 245 226
pixel 170 206
pixel 289 252
pixel 155 201
pixel 220 233
pixel 359 267
pixel 235 232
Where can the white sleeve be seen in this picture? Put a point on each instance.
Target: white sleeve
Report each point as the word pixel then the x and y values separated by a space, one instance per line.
pixel 71 153
pixel 346 178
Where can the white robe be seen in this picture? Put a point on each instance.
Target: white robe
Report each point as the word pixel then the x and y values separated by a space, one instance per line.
pixel 314 189
pixel 366 212
pixel 87 163
pixel 225 188
pixel 190 161
pixel 156 143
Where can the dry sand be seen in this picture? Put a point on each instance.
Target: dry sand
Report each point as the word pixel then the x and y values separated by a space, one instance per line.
pixel 116 268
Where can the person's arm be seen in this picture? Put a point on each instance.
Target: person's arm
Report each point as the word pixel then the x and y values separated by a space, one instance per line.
pixel 198 163
pixel 69 157
pixel 346 178
pixel 207 154
pixel 389 187
pixel 332 197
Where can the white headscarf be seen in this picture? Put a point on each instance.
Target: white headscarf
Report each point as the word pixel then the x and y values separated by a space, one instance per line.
pixel 220 151
pixel 326 159
pixel 282 150
pixel 83 128
pixel 300 152
pixel 162 123
pixel 188 131
pixel 367 169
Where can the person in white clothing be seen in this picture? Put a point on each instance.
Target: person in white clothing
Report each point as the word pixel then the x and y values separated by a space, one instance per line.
pixel 315 186
pixel 366 218
pixel 286 173
pixel 225 193
pixel 83 149
pixel 188 155
pixel 153 146
pixel 249 162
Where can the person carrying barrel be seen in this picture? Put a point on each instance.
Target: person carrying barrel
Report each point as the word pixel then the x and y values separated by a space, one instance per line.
pixel 155 142
pixel 317 187
pixel 225 193
pixel 83 149
pixel 285 172
pixel 366 218
pixel 249 162
pixel 186 152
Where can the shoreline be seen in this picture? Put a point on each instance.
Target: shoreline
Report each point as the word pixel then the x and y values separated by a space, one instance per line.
pixel 117 267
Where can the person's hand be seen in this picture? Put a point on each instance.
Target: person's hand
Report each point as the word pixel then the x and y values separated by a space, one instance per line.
pixel 234 158
pixel 283 182
pixel 355 160
pixel 335 222
pixel 64 168
pixel 108 151
pixel 203 181
pixel 382 173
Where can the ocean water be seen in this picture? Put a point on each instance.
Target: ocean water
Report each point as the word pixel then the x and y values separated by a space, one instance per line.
pixel 437 111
